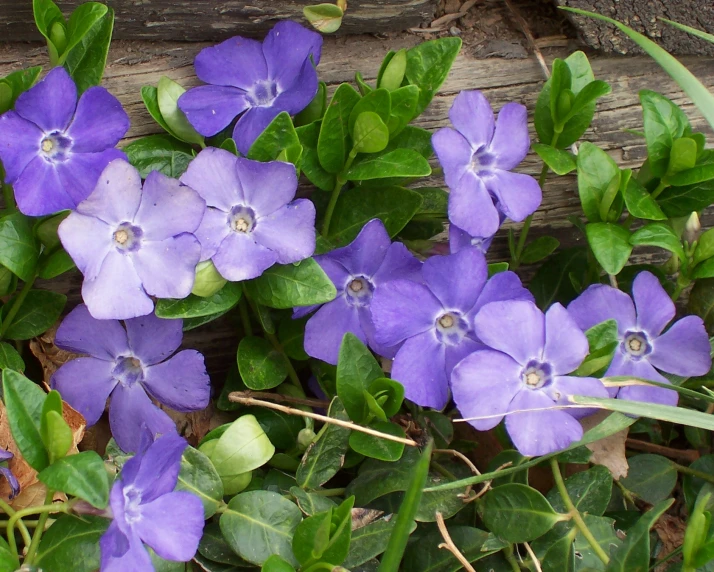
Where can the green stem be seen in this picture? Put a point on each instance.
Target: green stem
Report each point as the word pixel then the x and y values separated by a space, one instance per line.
pixel 7 322
pixel 511 558
pixel 694 473
pixel 9 198
pixel 47 508
pixel 35 544
pixel 668 557
pixel 661 187
pixel 8 510
pixel 339 183
pixel 573 512
pixel 245 316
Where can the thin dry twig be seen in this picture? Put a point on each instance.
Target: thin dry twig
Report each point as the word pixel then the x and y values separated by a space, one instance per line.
pixel 536 563
pixel 523 25
pixel 688 455
pixel 238 397
pixel 435 25
pixel 280 398
pixel 449 545
pixel 469 464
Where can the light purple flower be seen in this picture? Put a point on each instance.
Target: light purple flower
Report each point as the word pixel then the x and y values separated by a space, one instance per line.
pixel 477 158
pixel 460 239
pixel 435 320
pixel 682 350
pixel 525 368
pixel 54 148
pixel 257 80
pixel 127 363
pixel 8 474
pixel 147 510
pixel 131 244
pixel 357 270
pixel 252 221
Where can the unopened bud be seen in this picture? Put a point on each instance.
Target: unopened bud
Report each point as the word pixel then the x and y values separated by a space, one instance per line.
pixel 393 74
pixel 692 228
pixel 305 438
pixel 208 280
pixel 342 5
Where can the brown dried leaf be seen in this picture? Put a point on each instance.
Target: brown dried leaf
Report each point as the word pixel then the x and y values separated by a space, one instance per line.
pixel 610 451
pixel 49 355
pixel 670 530
pixel 193 426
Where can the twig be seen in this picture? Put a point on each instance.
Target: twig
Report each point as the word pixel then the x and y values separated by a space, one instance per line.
pixel 238 397
pixel 523 25
pixel 536 563
pixel 449 544
pixel 447 18
pixel 688 455
pixel 469 464
pixel 280 398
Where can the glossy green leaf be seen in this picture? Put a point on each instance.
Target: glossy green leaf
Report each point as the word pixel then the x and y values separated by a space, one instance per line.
pixel 391 75
pixel 705 247
pixel 46 14
pixel 260 365
pixel 590 491
pixel 315 109
pixel 559 161
pixel 82 475
pixel 324 536
pixel 333 141
pixel 651 477
pixel 291 285
pixel 397 163
pixel 38 312
pixel 160 153
pixel 683 157
pixel 55 264
pixel 428 65
pixel 87 60
pixel 426 556
pixel 368 542
pixel 597 176
pixel 291 334
pixel 640 203
pixel 15 83
pixel 19 250
pixel 278 136
pixel 81 21
pixel 610 244
pixel 8 561
pixel 658 234
pixel 552 281
pixel 276 564
pixel 55 432
pixel 10 359
pixel 311 503
pixel 682 201
pixel 23 401
pixel 540 248
pixel 72 543
pixel 357 368
pixel 587 96
pixel 559 83
pixel 150 97
pixel 281 429
pixel 310 161
pixel 377 101
pixel 376 447
pixel 325 18
pixel 370 134
pixel 197 306
pixel 663 123
pixel 168 93
pixel 693 176
pixel 199 477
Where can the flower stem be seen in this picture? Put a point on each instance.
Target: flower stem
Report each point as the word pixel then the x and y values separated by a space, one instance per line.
pixel 35 544
pixel 339 183
pixel 575 515
pixel 694 472
pixel 661 187
pixel 16 305
pixel 245 316
pixel 511 558
pixel 8 510
pixel 46 508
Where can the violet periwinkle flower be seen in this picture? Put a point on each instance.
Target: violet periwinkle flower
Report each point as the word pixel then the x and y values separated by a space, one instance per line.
pixel 147 510
pixel 8 474
pixel 357 270
pixel 477 157
pixel 252 221
pixel 54 148
pixel 434 320
pixel 525 368
pixel 460 239
pixel 130 364
pixel 131 244
pixel 682 350
pixel 257 80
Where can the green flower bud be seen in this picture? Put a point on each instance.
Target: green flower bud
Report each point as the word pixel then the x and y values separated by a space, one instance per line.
pixel 208 280
pixel 692 228
pixel 305 438
pixel 393 75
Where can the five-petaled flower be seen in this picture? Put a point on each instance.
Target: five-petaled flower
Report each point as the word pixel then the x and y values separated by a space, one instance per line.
pixel 252 221
pixel 460 239
pixel 357 271
pixel 257 80
pixel 127 363
pixel 8 474
pixel 477 158
pixel 682 350
pixel 523 375
pixel 434 319
pixel 131 244
pixel 147 510
pixel 54 148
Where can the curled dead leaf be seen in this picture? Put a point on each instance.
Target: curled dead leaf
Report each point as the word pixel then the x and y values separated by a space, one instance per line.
pixel 610 451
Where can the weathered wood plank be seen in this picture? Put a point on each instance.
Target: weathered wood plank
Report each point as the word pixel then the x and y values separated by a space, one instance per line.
pixel 133 64
pixel 201 20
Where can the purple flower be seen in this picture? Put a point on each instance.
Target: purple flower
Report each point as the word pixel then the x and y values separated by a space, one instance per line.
pixel 250 223
pixel 525 368
pixel 257 80
pixel 8 474
pixel 54 148
pixel 126 363
pixel 460 239
pixel 477 158
pixel 682 350
pixel 357 270
pixel 148 511
pixel 131 244
pixel 435 320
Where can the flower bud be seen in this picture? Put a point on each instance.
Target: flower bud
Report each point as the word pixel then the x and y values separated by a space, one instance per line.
pixel 342 4
pixel 208 281
pixel 58 36
pixel 692 228
pixel 304 439
pixel 394 71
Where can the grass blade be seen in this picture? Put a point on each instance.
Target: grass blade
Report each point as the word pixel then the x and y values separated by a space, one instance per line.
pixel 690 30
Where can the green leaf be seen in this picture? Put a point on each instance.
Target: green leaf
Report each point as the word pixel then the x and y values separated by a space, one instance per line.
pixel 705 247
pixel 160 153
pixel 311 503
pixel 8 561
pixel 309 160
pixel 634 553
pixel 23 401
pixel 540 248
pixel 281 429
pixel 15 83
pixel 168 95
pixel 324 536
pixel 370 134
pixel 19 250
pixel 651 477
pixel 428 65
pixel 325 18
pixel 56 434
pixel 683 201
pixel 278 136
pixel 559 82
pixel 658 234
pixel 332 143
pixel 315 109
pixel 258 524
pixel 260 365
pixel 390 393
pixel 397 163
pixel 150 97
pixel 692 176
pixel 197 306
pixel 376 447
pixel 640 203
pixel 82 475
pixel 198 476
pixel 87 60
pixel 560 162
pixel 72 543
pixel 426 556
pixel 46 14
pixel 587 96
pixel 590 491
pixel 368 542
pixel 551 282
pixel 377 101
pixel 275 563
pixel 81 21
pixel 597 176
pixel 357 368
pixel 392 70
pixel 610 244
pixel 291 334
pixel 683 157
pixel 55 264
pixel 291 285
pixel 38 312
pixel 326 455
pixel 663 123
pixel 10 359
pixel 517 513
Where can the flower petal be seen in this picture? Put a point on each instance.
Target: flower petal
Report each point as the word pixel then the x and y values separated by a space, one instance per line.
pixel 286 47
pixel 600 303
pixel 121 553
pixel 237 62
pixel 116 197
pixel 419 366
pixel 79 175
pixel 212 174
pixel 511 142
pixel 565 344
pixel 454 153
pixel 158 470
pixel 500 288
pixel 129 410
pixel 540 432
pixel 455 353
pixel 211 108
pixel 85 383
pixel 172 525
pixel 518 195
pixel 50 104
pixel 251 124
pixel 515 327
pixel 364 255
pixel 167 267
pixel 289 231
pixel 168 208
pixel 402 309
pixel 88 241
pixel 564 386
pixel 655 308
pixel 99 122
pixel 20 142
pixel 12 482
pixel 239 257
pixel 39 190
pixel 622 365
pixel 460 239
pixel 471 207
pixel 324 331
pixel 180 382
pixel 79 332
pixel 303 89
pixel 397 263
pixel 367 326
pixel 456 279
pixel 683 349
pixel 472 115
pixel 153 339
pixel 483 385
pixel 214 228
pixel 266 186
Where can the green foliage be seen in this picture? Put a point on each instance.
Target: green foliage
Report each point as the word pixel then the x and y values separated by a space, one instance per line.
pixel 82 475
pixel 161 153
pixel 260 365
pixel 301 284
pixel 72 543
